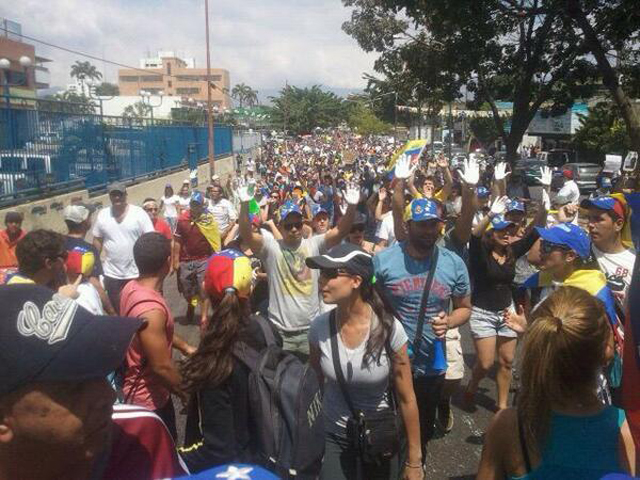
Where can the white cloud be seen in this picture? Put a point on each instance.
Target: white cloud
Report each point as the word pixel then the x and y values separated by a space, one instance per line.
pixel 261 42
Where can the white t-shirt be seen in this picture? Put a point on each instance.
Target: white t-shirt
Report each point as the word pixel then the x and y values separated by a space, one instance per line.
pixel 170 210
pixel 618 268
pixel 118 240
pixel 569 193
pixel 224 213
pixel 89 299
pixel 386 231
pixel 184 201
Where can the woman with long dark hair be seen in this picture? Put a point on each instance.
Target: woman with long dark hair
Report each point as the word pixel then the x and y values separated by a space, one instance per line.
pixel 560 428
pixel 492 267
pixel 219 429
pixel 369 347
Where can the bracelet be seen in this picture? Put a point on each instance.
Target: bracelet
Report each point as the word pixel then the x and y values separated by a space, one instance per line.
pixel 410 465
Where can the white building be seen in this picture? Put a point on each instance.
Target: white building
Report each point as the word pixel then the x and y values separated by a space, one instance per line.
pixel 156 62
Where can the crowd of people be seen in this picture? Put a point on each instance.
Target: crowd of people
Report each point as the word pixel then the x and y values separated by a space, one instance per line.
pixel 357 264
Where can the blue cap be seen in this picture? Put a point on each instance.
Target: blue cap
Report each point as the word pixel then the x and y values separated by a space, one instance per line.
pixel 287 209
pixel 604 203
pixel 317 209
pixel 238 471
pixel 423 209
pixel 515 205
pixel 197 197
pixel 569 235
pixel 500 223
pixel 483 192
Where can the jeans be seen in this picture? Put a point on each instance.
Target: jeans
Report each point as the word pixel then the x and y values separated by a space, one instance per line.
pixel 341 462
pixel 114 286
pixel 428 390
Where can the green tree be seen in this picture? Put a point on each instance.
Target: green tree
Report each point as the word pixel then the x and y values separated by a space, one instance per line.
pixel 363 120
pixel 245 95
pixel 484 130
pixel 602 131
pixel 300 110
pixel 499 50
pixel 137 111
pixel 197 116
pixel 106 89
pixel 85 71
pixel 67 102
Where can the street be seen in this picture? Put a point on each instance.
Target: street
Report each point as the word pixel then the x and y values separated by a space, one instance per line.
pixel 453 456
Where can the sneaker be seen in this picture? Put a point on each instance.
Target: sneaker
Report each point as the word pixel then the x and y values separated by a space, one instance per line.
pixel 445 417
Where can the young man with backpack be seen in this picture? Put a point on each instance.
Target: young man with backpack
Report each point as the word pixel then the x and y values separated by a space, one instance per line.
pixel 151 375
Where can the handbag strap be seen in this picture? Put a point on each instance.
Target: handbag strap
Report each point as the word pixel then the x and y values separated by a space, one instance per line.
pixel 425 298
pixel 335 354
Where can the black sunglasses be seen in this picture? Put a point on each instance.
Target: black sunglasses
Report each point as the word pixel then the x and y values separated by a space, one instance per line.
pixel 290 226
pixel 357 228
pixel 331 273
pixel 548 247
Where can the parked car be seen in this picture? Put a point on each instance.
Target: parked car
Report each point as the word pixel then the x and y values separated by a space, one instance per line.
pixel 557 157
pixel 20 170
pixel 530 171
pixel 584 174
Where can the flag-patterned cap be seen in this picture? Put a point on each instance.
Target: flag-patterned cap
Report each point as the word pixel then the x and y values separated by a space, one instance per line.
pixel 228 269
pixel 80 261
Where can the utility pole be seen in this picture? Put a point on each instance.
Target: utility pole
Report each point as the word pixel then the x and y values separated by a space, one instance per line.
pixel 395 118
pixel 210 142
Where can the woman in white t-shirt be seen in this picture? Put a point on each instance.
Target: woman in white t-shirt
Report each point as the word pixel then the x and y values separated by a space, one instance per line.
pixel 170 206
pixel 371 348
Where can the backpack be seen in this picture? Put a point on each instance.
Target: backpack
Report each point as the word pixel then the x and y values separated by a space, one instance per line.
pixel 287 408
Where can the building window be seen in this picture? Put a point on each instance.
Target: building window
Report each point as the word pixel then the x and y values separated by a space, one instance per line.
pixel 150 78
pixel 168 68
pixel 187 91
pixel 198 78
pixel 153 91
pixel 215 78
pixel 170 84
pixel 128 78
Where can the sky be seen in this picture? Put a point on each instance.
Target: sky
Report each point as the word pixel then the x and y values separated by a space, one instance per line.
pixel 262 43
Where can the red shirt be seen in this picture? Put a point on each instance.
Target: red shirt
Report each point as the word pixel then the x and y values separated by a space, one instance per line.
pixel 141 447
pixel 163 228
pixel 8 249
pixel 193 244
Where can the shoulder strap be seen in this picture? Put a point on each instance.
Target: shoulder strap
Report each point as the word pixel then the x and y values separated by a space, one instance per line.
pixel 523 446
pixel 265 327
pixel 335 354
pixel 425 299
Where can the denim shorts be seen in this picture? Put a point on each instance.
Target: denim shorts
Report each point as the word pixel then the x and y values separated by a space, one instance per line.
pixel 488 323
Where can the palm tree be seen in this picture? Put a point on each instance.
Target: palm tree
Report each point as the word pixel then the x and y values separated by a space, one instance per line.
pixel 245 95
pixel 84 70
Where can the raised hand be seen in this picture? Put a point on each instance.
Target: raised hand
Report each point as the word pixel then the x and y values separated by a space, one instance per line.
pixel 246 191
pixel 442 161
pixel 499 206
pixel 352 194
pixel 382 194
pixel 515 321
pixel 470 173
pixel 500 171
pixel 545 177
pixel 403 167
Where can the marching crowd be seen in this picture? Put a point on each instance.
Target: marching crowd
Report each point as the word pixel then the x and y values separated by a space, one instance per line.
pixel 329 278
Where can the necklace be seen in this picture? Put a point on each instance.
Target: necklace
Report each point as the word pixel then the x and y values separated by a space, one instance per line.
pixel 353 351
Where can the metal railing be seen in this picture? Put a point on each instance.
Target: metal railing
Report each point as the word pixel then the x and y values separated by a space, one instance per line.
pixel 47 145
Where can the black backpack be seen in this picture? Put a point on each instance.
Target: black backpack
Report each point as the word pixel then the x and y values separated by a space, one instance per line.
pixel 286 404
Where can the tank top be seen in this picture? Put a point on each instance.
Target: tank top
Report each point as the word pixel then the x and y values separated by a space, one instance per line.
pixel 582 448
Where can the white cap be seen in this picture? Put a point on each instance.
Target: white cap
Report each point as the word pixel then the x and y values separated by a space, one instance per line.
pixel 76 213
pixel 215 177
pixel 186 181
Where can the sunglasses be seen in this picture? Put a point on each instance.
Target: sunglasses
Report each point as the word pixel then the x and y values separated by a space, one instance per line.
pixel 331 273
pixel 548 247
pixel 290 226
pixel 357 228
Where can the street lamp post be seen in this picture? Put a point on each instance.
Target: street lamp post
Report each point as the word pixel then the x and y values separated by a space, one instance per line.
pixel 5 66
pixel 146 99
pixel 100 98
pixel 210 142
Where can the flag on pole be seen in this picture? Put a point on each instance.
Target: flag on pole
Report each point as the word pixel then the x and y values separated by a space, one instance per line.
pixel 413 148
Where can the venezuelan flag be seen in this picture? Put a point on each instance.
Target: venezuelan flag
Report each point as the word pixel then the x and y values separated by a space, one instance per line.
pixel 413 148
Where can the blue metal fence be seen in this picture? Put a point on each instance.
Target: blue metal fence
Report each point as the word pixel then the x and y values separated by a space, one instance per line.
pixel 43 148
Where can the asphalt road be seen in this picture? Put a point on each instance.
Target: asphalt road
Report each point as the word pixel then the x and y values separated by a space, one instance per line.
pixel 451 456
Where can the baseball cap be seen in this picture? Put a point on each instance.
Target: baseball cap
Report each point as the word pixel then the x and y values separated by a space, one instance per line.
pixel 116 187
pixel 423 209
pixel 77 213
pixel 346 256
pixel 569 235
pixel 605 203
pixel 45 337
pixel 317 210
pixel 215 177
pixel 500 223
pixel 228 269
pixel 80 261
pixel 287 209
pixel 483 192
pixel 515 205
pixel 197 197
pixel 186 181
pixel 360 219
pixel 168 185
pixel 239 471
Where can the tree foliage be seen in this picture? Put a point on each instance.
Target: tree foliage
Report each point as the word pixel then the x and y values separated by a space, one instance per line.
pixel 106 89
pixel 85 71
pixel 364 121
pixel 137 111
pixel 300 110
pixel 602 131
pixel 484 130
pixel 68 102
pixel 498 49
pixel 245 95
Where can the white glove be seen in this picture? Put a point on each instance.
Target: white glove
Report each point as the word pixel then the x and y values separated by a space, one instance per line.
pixel 545 177
pixel 546 201
pixel 403 167
pixel 470 173
pixel 499 206
pixel 500 171
pixel 246 191
pixel 352 194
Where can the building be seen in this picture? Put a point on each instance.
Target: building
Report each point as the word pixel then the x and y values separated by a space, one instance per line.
pixel 173 76
pixel 23 81
pixel 81 88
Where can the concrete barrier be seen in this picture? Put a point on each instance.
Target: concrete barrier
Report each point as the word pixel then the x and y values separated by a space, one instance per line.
pixel 47 213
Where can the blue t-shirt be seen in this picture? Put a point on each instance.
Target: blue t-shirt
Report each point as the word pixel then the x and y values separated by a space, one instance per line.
pixel 403 279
